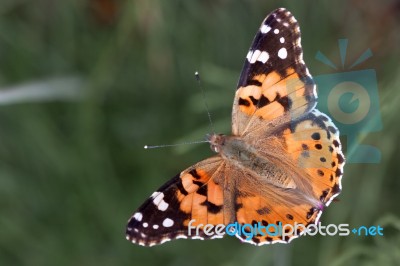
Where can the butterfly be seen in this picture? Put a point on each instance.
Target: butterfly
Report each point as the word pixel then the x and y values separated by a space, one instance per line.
pixel 282 163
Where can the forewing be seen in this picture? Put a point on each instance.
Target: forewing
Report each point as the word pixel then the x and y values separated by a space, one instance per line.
pixel 275 81
pixel 197 194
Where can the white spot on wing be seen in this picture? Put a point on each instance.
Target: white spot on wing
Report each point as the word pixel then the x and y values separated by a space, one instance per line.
pixel 254 57
pixel 155 226
pixel 138 216
pixel 163 206
pixel 145 225
pixel 276 31
pixel 265 29
pixel 249 54
pixel 282 53
pixel 264 56
pixel 158 199
pixel 165 240
pixel 160 203
pixel 168 222
pixel 282 40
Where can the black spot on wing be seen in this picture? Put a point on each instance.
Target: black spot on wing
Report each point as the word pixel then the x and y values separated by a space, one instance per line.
pixel 323 195
pixel 332 129
pixel 211 207
pixel 202 190
pixel 181 189
pixel 263 101
pixel 269 239
pixel 336 189
pixel 254 82
pixel 340 158
pixel 289 216
pixel 335 143
pixel 284 101
pixel 253 100
pixel 198 183
pixel 244 102
pixel 194 173
pixel 338 172
pixel 263 211
pixel 316 136
pixel 310 213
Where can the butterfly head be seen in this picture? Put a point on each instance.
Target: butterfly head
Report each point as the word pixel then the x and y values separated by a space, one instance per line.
pixel 216 141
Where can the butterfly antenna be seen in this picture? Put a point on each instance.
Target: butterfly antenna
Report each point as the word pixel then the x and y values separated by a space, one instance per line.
pixel 209 119
pixel 203 92
pixel 174 145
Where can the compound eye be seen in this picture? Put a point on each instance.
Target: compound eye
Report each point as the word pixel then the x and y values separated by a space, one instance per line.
pixel 215 148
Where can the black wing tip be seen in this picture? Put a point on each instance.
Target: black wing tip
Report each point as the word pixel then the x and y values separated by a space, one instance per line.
pixel 281 11
pixel 280 15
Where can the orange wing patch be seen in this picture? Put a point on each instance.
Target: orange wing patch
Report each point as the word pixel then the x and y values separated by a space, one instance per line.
pixel 271 96
pixel 257 211
pixel 201 196
pixel 314 145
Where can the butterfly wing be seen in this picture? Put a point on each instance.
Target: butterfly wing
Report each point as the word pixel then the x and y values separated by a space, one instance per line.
pixel 309 151
pixel 272 208
pixel 275 82
pixel 314 146
pixel 197 194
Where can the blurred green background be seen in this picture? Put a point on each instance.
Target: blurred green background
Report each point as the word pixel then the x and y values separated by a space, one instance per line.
pixel 84 85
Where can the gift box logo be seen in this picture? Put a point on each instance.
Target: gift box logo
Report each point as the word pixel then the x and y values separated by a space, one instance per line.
pixel 351 99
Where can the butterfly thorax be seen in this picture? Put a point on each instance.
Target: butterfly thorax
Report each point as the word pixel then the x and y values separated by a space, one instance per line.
pixel 243 155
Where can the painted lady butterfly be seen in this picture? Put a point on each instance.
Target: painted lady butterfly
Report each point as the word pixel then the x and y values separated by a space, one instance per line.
pixel 282 163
